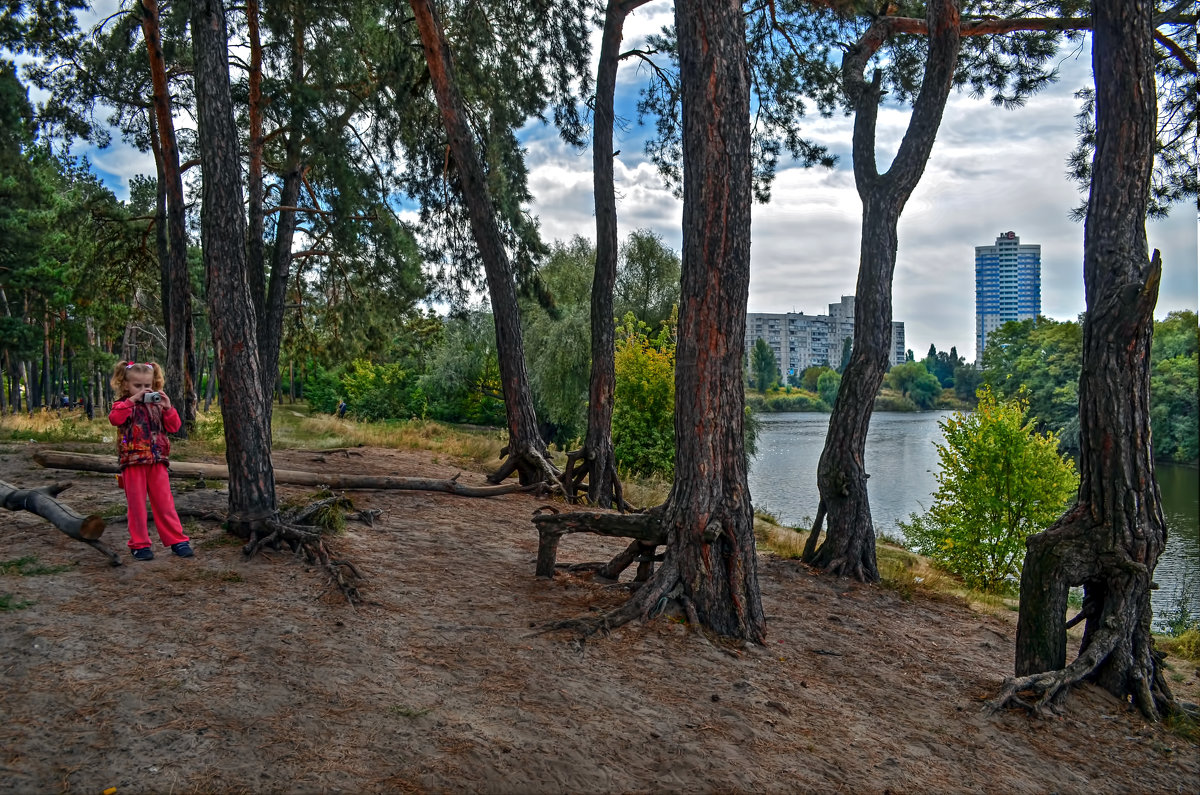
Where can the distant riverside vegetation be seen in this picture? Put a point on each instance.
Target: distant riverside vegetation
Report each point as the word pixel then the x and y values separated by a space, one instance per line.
pixel 1039 358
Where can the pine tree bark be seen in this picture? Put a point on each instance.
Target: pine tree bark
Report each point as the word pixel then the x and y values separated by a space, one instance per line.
pixel 223 231
pixel 177 285
pixel 710 565
pixel 527 453
pixel 270 330
pixel 849 545
pixel 604 487
pixel 1110 541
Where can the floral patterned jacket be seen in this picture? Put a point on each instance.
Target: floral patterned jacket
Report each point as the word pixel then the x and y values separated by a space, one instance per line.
pixel 142 429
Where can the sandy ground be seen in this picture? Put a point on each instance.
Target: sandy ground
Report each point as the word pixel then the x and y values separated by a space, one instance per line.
pixel 218 674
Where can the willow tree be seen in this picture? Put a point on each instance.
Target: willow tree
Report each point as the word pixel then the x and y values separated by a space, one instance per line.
pixel 1110 541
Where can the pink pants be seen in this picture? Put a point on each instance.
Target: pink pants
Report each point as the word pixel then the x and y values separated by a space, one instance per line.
pixel 153 479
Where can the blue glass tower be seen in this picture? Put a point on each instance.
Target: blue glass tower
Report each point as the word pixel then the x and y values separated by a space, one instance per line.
pixel 1008 285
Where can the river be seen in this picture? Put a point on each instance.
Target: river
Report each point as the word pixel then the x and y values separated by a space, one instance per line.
pixel 902 460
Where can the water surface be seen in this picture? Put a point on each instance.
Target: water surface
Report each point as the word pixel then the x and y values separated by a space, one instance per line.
pixel 901 461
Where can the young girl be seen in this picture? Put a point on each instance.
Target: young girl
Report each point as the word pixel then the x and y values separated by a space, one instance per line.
pixel 143 423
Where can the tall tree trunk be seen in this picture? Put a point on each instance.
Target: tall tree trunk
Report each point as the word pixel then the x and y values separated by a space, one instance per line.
pixel 527 453
pixel 255 261
pixel 599 460
pixel 708 515
pixel 223 230
pixel 270 333
pixel 177 310
pixel 710 564
pixel 1110 541
pixel 849 545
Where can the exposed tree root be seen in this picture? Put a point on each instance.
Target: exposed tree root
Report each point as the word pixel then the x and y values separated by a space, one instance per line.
pixel 646 603
pixel 531 467
pixel 580 466
pixel 305 539
pixel 1049 687
pixel 551 527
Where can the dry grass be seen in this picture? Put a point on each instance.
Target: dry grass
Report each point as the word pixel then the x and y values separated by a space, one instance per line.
pixel 54 426
pixel 480 448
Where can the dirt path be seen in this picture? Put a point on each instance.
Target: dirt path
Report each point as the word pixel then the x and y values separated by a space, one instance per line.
pixel 220 675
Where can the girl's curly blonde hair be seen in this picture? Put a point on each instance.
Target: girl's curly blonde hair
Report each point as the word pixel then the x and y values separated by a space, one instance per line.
pixel 122 370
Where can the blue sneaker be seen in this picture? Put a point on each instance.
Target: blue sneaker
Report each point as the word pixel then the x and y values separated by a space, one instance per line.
pixel 183 549
pixel 145 553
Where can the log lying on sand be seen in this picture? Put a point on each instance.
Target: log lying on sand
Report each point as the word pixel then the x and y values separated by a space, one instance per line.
pixel 186 469
pixel 41 501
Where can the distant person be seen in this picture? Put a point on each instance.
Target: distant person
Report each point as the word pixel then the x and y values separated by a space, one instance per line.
pixel 341 410
pixel 144 415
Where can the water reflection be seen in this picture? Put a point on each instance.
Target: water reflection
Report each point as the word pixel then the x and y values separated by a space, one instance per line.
pixel 901 461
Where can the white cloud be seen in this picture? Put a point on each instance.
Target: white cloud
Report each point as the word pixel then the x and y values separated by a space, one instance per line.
pixel 992 170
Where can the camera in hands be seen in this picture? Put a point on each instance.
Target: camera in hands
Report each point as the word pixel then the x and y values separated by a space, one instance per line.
pixel 152 397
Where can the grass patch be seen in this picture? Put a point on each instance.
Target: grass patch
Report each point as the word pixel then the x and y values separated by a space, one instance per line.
pixel 55 426
pixel 778 539
pixel 294 429
pixel 908 573
pixel 29 566
pixel 218 540
pixel 1185 646
pixel 8 603
pixel 408 712
pixel 644 492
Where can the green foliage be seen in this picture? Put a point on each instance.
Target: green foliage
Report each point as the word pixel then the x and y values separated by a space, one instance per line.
pixel 944 365
pixel 647 279
pixel 9 603
pixel 796 401
pixel 999 482
pixel 1174 387
pixel 644 403
pixel 966 382
pixel 557 340
pixel 29 566
pixel 914 381
pixel 828 385
pixel 810 376
pixel 382 391
pixel 462 374
pixel 322 389
pixel 1040 358
pixel 1043 359
pixel 763 366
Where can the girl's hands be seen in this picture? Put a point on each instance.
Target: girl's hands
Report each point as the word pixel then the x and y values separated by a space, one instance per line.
pixel 166 400
pixel 136 395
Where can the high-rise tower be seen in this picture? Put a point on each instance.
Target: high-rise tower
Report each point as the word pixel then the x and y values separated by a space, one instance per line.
pixel 1008 285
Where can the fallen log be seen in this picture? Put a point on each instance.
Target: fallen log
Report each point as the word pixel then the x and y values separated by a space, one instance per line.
pixel 41 502
pixel 85 462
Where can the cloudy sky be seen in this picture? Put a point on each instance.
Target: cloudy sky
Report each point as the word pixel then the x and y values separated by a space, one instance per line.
pixel 992 171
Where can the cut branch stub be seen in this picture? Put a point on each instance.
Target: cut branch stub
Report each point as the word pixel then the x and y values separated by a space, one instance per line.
pixel 42 502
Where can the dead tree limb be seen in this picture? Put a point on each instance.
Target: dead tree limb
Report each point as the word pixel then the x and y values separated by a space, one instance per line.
pixel 41 501
pixel 645 527
pixel 187 469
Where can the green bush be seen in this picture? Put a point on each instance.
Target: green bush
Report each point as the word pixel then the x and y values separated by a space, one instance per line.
pixel 793 402
pixel 382 391
pixel 1000 481
pixel 643 423
pixel 322 389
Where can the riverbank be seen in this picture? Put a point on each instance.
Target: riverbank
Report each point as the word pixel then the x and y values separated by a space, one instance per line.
pixel 221 674
pixel 793 399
